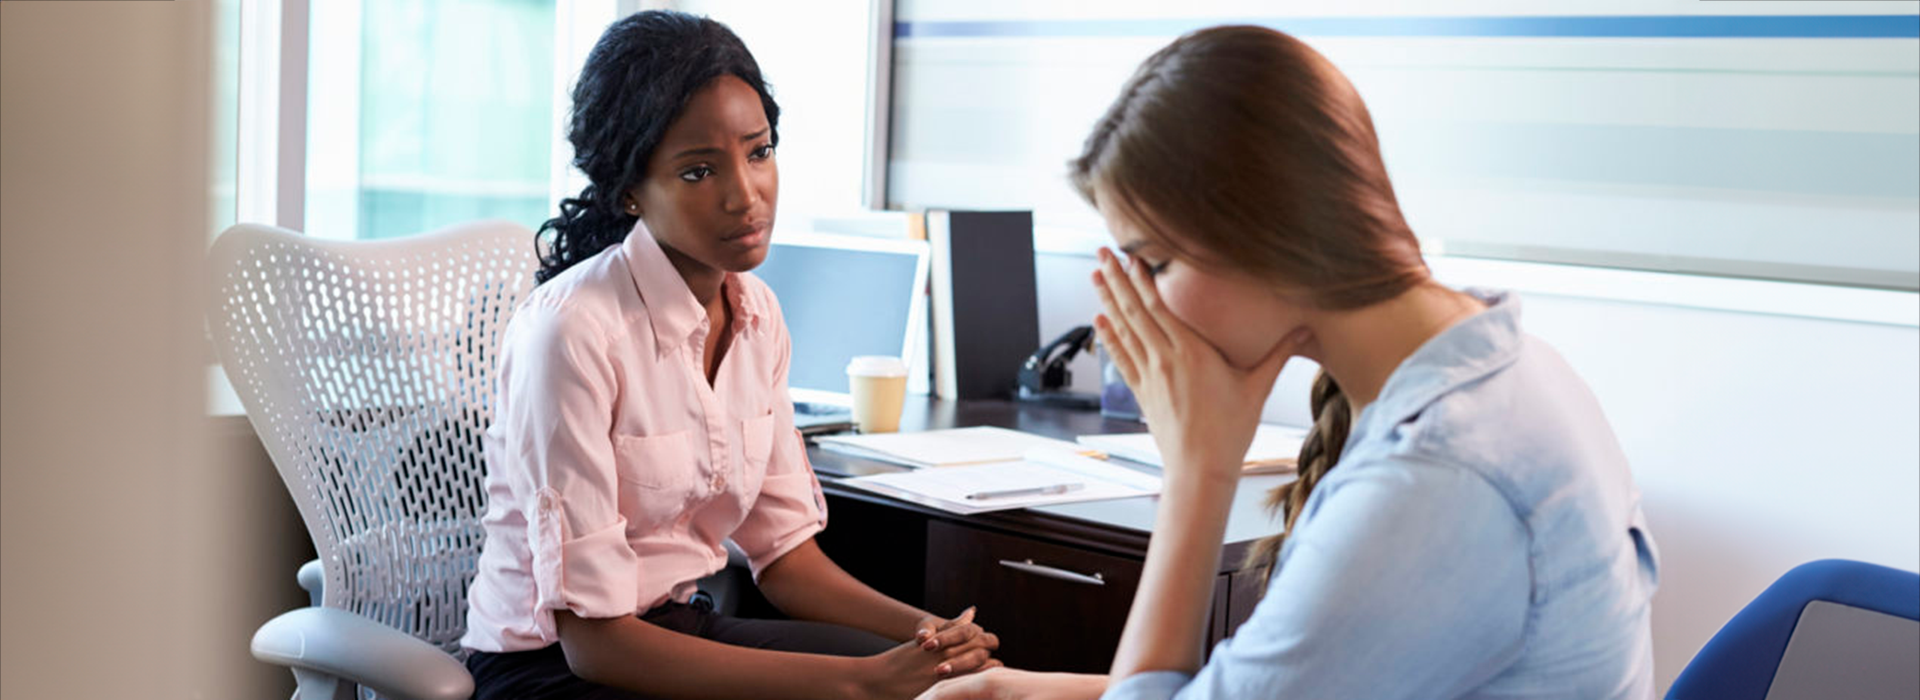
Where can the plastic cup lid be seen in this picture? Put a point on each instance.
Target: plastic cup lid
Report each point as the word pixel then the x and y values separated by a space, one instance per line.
pixel 877 366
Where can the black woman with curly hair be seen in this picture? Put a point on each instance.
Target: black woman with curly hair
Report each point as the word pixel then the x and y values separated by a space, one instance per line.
pixel 642 420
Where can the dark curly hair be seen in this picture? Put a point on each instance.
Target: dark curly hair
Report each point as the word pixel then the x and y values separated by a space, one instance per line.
pixel 637 80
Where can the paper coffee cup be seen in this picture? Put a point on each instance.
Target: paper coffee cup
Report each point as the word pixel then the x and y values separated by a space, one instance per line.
pixel 879 386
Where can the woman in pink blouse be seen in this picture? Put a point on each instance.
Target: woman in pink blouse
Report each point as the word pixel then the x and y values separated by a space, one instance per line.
pixel 642 419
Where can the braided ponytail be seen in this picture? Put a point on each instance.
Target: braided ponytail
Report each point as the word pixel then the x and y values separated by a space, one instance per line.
pixel 584 228
pixel 1332 420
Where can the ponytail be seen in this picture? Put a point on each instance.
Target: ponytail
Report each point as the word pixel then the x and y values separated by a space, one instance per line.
pixel 1332 420
pixel 584 227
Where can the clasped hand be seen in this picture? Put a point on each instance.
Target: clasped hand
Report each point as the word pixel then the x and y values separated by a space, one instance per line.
pixel 940 648
pixel 965 646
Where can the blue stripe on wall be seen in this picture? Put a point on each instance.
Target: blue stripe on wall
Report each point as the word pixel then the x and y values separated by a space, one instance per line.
pixel 1684 27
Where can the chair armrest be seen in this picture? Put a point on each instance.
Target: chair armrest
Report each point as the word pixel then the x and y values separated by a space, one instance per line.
pixel 354 648
pixel 736 557
pixel 728 586
pixel 313 579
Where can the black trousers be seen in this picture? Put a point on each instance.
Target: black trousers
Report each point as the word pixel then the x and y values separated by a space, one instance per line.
pixel 542 674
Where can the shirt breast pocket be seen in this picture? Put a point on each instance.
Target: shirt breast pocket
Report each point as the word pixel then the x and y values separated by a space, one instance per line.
pixel 756 449
pixel 656 478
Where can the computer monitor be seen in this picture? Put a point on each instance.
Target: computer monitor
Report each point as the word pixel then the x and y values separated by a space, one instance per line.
pixel 844 296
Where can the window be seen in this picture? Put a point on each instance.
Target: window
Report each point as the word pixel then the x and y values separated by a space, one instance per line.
pixel 374 119
pixel 225 115
pixel 379 118
pixel 427 113
pixel 1702 138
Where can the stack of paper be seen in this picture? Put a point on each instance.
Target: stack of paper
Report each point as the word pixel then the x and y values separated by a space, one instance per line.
pixel 942 448
pixel 1043 475
pixel 958 489
pixel 1274 448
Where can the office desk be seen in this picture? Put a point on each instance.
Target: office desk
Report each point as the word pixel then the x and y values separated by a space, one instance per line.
pixel 1054 582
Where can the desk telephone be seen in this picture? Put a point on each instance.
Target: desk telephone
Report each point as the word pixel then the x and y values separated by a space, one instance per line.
pixel 1044 376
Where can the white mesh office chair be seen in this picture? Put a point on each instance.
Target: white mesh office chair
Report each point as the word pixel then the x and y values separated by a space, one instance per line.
pixel 367 369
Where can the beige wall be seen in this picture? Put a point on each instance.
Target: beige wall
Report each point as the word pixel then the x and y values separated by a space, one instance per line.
pixel 123 561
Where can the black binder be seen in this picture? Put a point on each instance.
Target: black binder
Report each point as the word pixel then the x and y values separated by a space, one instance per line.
pixel 986 316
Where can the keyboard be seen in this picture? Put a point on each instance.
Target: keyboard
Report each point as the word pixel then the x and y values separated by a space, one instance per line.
pixel 814 418
pixel 814 408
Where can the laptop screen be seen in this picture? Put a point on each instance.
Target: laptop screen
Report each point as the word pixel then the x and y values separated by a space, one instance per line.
pixel 844 296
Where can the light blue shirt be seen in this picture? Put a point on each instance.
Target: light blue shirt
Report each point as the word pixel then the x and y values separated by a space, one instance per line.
pixel 1481 537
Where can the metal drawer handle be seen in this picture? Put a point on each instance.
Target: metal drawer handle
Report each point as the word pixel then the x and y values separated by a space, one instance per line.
pixel 1050 572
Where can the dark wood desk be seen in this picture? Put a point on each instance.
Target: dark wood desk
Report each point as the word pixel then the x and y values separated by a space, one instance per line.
pixel 1054 582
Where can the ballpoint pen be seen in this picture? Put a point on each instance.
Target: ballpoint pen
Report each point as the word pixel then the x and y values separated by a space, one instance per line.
pixel 1053 490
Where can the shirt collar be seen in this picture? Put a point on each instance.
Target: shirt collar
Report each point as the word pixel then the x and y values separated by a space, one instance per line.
pixel 1471 349
pixel 672 311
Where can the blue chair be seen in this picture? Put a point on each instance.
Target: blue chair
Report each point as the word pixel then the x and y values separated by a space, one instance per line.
pixel 1829 628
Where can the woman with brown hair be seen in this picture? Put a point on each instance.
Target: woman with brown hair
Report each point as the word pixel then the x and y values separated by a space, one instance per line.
pixel 1464 524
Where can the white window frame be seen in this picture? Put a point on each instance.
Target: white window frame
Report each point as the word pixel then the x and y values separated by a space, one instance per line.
pixel 270 175
pixel 1803 299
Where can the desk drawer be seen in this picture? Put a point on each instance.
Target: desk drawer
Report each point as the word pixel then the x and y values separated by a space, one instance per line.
pixel 1056 608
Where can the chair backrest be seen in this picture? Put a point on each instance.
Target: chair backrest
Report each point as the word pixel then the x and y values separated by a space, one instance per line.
pixel 367 369
pixel 1875 605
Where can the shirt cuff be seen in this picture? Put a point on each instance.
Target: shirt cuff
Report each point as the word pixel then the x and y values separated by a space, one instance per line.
pixel 787 513
pixel 782 547
pixel 1150 685
pixel 594 575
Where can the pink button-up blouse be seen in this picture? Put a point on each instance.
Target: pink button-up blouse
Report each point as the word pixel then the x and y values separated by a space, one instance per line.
pixel 614 471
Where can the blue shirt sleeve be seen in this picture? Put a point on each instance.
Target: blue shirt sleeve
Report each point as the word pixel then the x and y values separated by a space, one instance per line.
pixel 1402 580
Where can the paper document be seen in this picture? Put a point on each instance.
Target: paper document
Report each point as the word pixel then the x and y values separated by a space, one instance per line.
pixel 1091 468
pixel 977 488
pixel 942 448
pixel 1274 448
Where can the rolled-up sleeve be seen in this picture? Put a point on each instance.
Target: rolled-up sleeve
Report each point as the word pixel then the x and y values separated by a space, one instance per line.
pixel 1152 684
pixel 1406 581
pixel 790 508
pixel 555 417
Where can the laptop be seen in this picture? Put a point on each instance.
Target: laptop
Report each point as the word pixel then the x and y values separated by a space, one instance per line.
pixel 843 296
